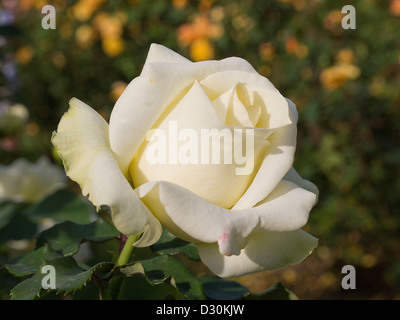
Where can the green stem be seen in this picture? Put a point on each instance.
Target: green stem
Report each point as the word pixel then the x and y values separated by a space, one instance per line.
pixel 115 283
pixel 127 250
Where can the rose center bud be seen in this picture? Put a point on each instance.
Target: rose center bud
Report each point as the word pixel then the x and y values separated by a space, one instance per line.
pixel 237 107
pixel 211 147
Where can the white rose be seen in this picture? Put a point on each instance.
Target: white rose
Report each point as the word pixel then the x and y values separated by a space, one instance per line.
pixel 23 181
pixel 240 222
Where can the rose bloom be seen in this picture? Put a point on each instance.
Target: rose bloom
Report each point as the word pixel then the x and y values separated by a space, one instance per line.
pixel 240 223
pixel 23 181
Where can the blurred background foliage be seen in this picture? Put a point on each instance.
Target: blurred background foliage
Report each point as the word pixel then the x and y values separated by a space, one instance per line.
pixel 345 84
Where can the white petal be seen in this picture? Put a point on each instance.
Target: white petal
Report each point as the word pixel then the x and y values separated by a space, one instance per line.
pixel 83 144
pixel 286 208
pixel 159 53
pixel 195 113
pixel 254 114
pixel 237 112
pixel 41 179
pixel 194 219
pixel 276 164
pixel 294 177
pixel 222 102
pixel 219 82
pixel 275 110
pixel 148 95
pixel 152 232
pixel 264 251
pixel 293 110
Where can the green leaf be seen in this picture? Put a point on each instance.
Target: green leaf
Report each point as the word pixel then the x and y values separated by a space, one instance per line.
pixel 276 292
pixel 7 282
pixel 7 212
pixel 14 224
pixel 169 244
pixel 18 227
pixel 69 278
pixel 67 236
pixel 60 206
pixel 163 268
pixel 30 262
pixel 105 213
pixel 217 288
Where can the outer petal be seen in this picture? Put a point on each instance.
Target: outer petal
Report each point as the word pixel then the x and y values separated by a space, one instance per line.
pixel 148 95
pixel 294 177
pixel 194 219
pixel 264 251
pixel 83 144
pixel 286 208
pixel 159 53
pixel 190 217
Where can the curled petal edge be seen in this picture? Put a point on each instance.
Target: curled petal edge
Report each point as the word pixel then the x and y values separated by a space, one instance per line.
pixel 82 142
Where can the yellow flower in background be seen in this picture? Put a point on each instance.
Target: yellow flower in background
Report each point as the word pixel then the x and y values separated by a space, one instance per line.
pixel 337 75
pixel 293 46
pixel 243 23
pixel 179 4
pixel 345 56
pixel 26 5
pixel 205 5
pixel 198 34
pixel 267 51
pixel 203 26
pixel 111 29
pixel 85 36
pixel 110 26
pixel 302 51
pixel 24 54
pixel 84 9
pixel 394 7
pixel 201 49
pixel 113 47
pixel 333 21
pixel 217 14
pixel 186 35
pixel 344 70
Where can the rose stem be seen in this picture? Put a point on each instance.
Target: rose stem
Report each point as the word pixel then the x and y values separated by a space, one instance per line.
pixel 125 254
pixel 127 250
